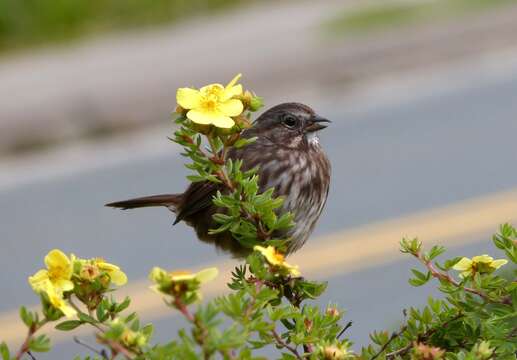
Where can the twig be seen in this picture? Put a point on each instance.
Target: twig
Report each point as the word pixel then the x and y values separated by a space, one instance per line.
pixel 283 344
pixel 182 308
pixel 347 326
pixel 118 348
pixel 24 348
pixel 79 311
pixel 445 276
pixel 91 348
pixel 423 337
pixel 220 160
pixel 201 339
pixel 392 337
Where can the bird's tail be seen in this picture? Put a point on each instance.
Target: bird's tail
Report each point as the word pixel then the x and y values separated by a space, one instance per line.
pixel 169 200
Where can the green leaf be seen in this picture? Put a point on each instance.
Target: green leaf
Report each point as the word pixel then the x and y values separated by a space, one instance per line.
pixel 40 344
pixel 101 312
pixel 123 305
pixel 147 330
pixel 26 316
pixel 4 351
pixel 86 318
pixel 435 252
pixel 68 325
pixel 243 142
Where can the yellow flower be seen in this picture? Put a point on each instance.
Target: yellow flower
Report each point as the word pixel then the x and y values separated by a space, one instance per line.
pixel 178 283
pixel 480 264
pixel 56 300
pixel 212 104
pixel 117 276
pixel 276 258
pixel 159 275
pixel 58 273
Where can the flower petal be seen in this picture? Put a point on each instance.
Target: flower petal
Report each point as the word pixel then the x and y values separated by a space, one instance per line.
pixel 182 276
pixel 118 277
pixel 482 259
pixel 58 302
pixel 215 89
pixel 101 264
pixel 188 98
pixel 293 269
pixel 207 275
pixel 57 259
pixel 463 265
pixel 234 81
pixel 496 264
pixel 232 107
pixel 231 92
pixel 39 281
pixel 200 117
pixel 205 117
pixel 63 285
pixel 224 122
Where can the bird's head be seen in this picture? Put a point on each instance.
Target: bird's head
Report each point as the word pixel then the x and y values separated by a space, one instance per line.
pixel 291 125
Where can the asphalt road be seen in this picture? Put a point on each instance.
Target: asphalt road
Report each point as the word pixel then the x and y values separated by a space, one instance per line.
pixel 389 160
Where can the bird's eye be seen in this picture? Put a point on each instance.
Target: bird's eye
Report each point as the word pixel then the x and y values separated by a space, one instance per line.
pixel 289 120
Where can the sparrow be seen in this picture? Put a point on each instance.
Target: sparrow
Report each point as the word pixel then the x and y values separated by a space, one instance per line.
pixel 289 158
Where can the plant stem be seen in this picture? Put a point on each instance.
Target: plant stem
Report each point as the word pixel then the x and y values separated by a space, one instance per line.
pixel 24 348
pixel 423 337
pixel 283 344
pixel 392 337
pixel 445 276
pixel 201 340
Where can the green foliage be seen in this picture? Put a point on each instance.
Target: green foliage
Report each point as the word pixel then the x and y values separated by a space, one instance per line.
pixel 29 22
pixel 384 15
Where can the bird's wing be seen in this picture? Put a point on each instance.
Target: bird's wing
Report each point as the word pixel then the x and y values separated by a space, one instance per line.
pixel 197 197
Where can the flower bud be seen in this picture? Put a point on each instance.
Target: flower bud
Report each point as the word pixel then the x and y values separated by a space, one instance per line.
pixel 256 103
pixel 333 312
pixel 333 352
pixel 251 101
pixel 483 350
pixel 158 275
pixel 89 272
pixel 179 110
pixel 308 324
pixel 422 351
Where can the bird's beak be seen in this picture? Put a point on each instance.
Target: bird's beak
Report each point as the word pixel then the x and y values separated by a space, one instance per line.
pixel 316 124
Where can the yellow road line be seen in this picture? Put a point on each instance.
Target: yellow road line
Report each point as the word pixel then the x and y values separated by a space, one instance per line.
pixel 350 250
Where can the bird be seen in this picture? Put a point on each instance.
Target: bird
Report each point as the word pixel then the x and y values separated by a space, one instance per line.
pixel 289 158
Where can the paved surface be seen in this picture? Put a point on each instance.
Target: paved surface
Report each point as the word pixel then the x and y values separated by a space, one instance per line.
pixel 128 80
pixel 420 151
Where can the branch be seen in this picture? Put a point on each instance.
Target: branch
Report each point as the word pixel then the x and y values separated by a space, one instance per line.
pixel 24 348
pixel 423 337
pixel 445 276
pixel 347 326
pixel 283 344
pixel 102 352
pixel 390 340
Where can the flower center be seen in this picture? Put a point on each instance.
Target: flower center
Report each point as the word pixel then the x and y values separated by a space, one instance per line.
pixel 279 257
pixel 57 273
pixel 211 98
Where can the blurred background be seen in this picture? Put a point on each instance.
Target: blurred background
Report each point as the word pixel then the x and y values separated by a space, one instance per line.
pixel 422 94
